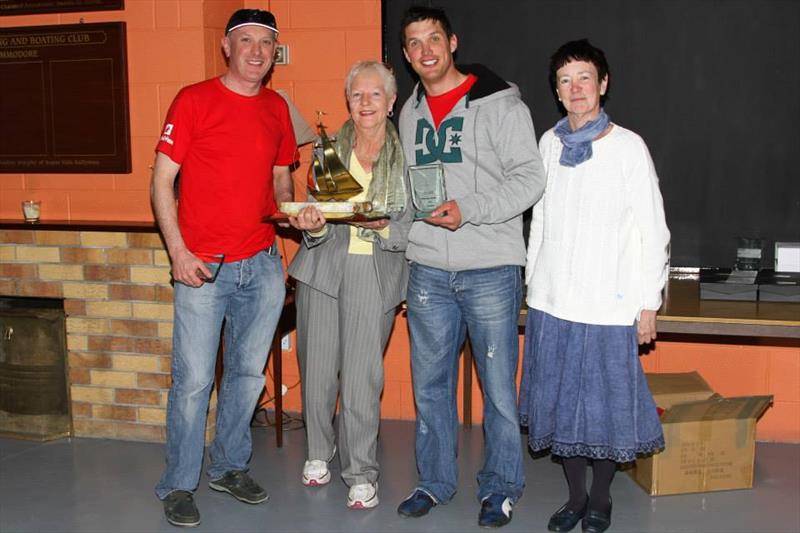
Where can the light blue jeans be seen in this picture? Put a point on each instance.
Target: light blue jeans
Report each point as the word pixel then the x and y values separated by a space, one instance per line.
pixel 249 295
pixel 442 307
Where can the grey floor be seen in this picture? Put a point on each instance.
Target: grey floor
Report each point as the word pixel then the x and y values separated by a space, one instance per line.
pixel 104 485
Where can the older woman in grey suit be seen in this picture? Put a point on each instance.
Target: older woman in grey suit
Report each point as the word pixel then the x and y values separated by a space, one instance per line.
pixel 350 280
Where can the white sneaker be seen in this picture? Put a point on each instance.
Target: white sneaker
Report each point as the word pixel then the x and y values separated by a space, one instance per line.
pixel 363 496
pixel 316 473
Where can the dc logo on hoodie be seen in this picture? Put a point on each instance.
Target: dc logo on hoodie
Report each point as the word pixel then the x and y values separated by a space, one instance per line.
pixel 439 145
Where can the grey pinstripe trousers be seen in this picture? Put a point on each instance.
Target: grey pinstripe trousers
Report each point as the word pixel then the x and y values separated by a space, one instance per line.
pixel 340 345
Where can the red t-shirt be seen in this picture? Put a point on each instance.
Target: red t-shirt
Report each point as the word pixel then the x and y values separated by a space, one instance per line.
pixel 441 104
pixel 227 144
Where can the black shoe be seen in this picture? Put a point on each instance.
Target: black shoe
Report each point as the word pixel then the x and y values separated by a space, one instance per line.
pixel 495 511
pixel 180 509
pixel 566 520
pixel 596 521
pixel 416 505
pixel 240 486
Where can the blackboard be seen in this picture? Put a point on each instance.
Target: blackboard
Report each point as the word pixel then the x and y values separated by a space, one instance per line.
pixel 713 87
pixel 64 99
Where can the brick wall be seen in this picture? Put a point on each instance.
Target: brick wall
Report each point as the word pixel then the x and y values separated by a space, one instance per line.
pixel 118 302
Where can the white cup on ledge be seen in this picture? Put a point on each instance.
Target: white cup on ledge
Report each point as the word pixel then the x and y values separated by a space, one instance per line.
pixel 31 210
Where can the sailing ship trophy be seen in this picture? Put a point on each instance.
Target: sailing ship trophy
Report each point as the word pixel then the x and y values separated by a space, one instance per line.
pixel 330 184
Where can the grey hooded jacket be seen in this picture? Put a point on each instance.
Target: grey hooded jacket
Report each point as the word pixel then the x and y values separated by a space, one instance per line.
pixel 492 169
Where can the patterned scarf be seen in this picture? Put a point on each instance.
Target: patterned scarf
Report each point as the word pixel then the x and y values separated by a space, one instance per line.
pixel 578 143
pixel 387 190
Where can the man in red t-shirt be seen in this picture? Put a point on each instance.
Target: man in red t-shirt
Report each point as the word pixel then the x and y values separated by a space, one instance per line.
pixel 232 141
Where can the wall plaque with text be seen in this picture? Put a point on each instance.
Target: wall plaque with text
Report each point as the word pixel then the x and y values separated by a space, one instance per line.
pixel 29 7
pixel 64 99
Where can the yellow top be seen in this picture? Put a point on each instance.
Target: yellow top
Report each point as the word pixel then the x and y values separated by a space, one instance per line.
pixel 359 246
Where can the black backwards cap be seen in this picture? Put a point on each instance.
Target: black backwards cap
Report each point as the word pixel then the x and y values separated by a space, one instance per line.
pixel 251 17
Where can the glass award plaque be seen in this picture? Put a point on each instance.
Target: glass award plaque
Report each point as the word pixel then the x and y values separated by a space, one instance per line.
pixel 427 188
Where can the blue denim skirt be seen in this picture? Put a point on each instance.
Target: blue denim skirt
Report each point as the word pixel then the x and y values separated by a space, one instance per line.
pixel 583 392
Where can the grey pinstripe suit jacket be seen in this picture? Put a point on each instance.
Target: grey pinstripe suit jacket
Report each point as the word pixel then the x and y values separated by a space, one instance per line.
pixel 320 261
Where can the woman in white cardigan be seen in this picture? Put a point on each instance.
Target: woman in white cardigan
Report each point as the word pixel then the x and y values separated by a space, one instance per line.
pixel 597 261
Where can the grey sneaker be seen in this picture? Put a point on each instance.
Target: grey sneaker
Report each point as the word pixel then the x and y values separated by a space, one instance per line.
pixel 180 510
pixel 240 486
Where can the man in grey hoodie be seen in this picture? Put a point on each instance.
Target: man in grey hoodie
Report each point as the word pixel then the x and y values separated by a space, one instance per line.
pixel 466 258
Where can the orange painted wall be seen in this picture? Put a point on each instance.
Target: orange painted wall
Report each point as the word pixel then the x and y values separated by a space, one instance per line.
pixel 175 42
pixel 165 43
pixel 742 370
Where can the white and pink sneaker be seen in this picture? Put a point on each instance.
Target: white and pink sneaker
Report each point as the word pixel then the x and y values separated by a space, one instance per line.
pixel 363 496
pixel 316 473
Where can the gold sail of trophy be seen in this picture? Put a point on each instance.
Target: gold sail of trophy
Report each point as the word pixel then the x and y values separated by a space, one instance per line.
pixel 329 179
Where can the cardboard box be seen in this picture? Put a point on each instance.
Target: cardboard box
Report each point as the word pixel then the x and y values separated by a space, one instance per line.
pixel 710 442
pixel 670 389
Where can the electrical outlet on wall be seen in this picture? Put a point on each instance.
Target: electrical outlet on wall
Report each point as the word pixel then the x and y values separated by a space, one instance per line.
pixel 281 54
pixel 286 342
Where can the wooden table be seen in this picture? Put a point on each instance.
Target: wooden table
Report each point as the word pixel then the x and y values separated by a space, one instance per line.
pixel 684 313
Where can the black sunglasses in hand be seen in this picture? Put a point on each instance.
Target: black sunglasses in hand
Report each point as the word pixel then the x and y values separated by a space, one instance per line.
pixel 220 259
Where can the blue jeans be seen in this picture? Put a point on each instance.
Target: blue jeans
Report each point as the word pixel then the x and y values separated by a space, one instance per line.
pixel 249 295
pixel 442 307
